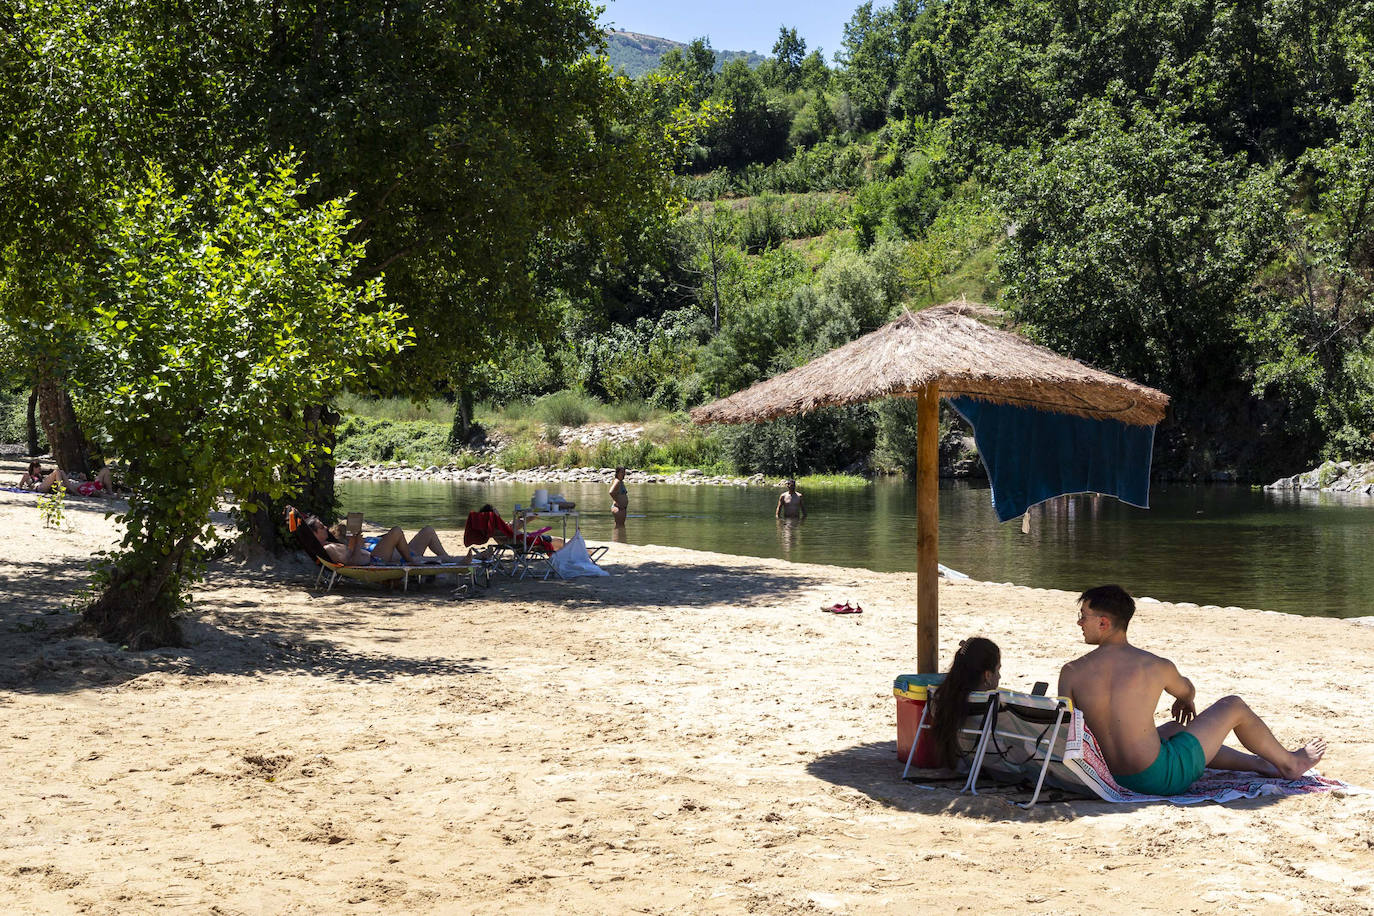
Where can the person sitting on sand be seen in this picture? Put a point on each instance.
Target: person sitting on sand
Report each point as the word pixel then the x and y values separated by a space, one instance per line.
pixel 1118 686
pixel 388 550
pixel 790 503
pixel 34 479
pixel 977 665
pixel 102 484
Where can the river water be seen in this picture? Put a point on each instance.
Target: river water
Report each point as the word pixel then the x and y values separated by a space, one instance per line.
pixel 1300 553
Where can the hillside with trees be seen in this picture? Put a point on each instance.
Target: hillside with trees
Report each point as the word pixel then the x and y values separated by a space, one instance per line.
pixel 635 55
pixel 1183 194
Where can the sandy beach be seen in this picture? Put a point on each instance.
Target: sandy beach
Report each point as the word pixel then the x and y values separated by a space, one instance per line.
pixel 690 734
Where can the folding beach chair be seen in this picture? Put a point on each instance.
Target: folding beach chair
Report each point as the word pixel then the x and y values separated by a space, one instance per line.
pixel 1021 738
pixel 1024 738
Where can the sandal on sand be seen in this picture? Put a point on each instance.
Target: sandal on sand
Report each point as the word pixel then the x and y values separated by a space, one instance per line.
pixel 835 608
pixel 848 609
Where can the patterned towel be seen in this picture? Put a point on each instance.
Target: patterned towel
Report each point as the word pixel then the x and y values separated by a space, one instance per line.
pixel 1214 785
pixel 15 490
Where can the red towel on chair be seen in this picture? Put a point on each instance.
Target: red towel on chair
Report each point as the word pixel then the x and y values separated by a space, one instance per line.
pixel 483 526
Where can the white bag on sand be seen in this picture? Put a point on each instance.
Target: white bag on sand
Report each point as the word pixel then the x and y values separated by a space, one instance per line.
pixel 571 560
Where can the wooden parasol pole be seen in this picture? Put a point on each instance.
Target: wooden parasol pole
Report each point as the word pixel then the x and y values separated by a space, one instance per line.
pixel 928 530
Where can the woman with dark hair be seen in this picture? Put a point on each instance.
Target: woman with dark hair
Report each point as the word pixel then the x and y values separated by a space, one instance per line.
pixel 977 665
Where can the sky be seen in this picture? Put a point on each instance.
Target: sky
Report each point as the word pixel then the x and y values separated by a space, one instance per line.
pixel 734 25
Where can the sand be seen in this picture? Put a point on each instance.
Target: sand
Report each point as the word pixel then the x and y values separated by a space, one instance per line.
pixel 690 734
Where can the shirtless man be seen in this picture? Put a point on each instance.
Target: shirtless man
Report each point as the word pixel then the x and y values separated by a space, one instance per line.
pixel 790 503
pixel 1118 686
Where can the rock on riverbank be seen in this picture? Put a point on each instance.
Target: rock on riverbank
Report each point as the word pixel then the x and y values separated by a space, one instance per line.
pixel 1331 477
pixel 486 473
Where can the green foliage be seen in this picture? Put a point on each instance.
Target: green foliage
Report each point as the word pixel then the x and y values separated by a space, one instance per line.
pixel 1135 243
pixel 52 506
pixel 372 440
pixel 755 127
pixel 828 166
pixel 14 407
pixel 820 441
pixel 220 320
pixel 564 408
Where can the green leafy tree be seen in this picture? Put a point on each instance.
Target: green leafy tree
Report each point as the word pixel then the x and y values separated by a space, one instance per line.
pixel 694 66
pixel 1314 327
pixel 1134 244
pixel 219 320
pixel 753 129
pixel 789 53
pixel 869 59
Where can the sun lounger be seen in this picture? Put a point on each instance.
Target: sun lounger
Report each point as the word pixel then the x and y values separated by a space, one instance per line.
pixel 475 567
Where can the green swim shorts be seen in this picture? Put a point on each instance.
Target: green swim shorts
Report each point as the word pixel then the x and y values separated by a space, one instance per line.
pixel 1179 764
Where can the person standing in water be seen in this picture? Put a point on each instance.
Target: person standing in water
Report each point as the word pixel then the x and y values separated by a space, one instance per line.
pixel 790 503
pixel 620 503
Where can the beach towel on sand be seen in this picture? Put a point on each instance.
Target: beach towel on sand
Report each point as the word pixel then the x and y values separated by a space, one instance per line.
pixel 1213 786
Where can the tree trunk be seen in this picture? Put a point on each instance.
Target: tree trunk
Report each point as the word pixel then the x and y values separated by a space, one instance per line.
pixel 460 432
pixel 31 430
pixel 136 609
pixel 65 438
pixel 317 490
pixel 316 496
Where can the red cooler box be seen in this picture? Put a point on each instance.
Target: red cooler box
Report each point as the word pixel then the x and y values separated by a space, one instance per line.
pixel 912 691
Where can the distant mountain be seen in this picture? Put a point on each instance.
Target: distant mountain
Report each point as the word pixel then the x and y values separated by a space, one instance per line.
pixel 637 54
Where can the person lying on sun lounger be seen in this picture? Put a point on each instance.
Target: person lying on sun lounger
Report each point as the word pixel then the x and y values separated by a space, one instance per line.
pixel 1118 686
pixel 976 666
pixel 390 549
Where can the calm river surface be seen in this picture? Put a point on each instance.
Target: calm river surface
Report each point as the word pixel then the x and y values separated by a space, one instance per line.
pixel 1302 553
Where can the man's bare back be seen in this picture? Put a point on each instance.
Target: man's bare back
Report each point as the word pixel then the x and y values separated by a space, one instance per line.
pixel 1118 687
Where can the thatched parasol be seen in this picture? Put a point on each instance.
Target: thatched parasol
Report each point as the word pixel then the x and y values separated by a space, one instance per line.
pixel 944 351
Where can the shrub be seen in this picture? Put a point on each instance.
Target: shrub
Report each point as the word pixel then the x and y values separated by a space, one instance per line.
pixel 565 408
pixel 372 441
pixel 827 440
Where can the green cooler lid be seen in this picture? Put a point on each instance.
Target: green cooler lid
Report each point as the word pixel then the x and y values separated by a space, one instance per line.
pixel 907 681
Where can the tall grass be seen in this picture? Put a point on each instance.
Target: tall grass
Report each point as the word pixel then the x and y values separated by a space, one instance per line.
pixel 435 410
pixel 374 432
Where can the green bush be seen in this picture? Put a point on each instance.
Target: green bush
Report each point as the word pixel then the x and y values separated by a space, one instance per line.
pixel 372 441
pixel 14 408
pixel 565 408
pixel 827 440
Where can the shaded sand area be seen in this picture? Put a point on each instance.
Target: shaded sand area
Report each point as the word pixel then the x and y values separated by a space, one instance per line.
pixel 690 734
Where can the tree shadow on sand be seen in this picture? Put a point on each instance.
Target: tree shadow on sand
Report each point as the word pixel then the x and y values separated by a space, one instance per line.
pixel 41 653
pixel 875 770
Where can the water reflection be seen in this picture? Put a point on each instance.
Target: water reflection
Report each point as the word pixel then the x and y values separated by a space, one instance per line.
pixel 1303 553
pixel 788 530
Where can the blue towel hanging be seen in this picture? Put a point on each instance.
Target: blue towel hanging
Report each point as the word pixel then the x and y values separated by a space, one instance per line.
pixel 1034 455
